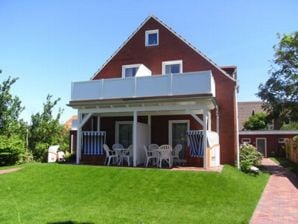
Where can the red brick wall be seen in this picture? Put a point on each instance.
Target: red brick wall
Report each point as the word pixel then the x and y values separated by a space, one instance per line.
pixel 108 125
pixel 159 130
pixel 273 147
pixel 172 48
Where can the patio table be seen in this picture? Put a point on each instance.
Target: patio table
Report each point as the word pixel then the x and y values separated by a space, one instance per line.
pixel 119 152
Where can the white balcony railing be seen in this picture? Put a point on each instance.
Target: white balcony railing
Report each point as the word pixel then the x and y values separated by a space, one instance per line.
pixel 147 86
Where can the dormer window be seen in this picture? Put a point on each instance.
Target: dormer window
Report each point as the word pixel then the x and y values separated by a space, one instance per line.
pixel 135 70
pixel 172 67
pixel 130 70
pixel 151 38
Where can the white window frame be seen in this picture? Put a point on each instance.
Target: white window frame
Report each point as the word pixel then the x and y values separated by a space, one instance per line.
pixel 174 62
pixel 246 140
pixel 117 129
pixel 282 140
pixel 171 130
pixel 124 67
pixel 147 32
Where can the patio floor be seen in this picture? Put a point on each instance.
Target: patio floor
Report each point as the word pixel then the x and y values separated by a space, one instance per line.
pixel 199 169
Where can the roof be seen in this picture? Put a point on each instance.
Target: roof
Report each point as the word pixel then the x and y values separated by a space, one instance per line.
pixel 246 109
pixel 269 132
pixel 225 73
pixel 70 124
pixel 231 70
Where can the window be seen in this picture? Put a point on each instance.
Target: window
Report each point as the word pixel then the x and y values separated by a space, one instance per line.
pixel 151 38
pixel 282 140
pixel 130 70
pixel 245 140
pixel 261 145
pixel 123 133
pixel 172 67
pixel 177 130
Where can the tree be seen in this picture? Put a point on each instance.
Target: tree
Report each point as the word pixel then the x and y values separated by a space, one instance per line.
pixel 10 110
pixel 12 128
pixel 257 121
pixel 280 92
pixel 45 130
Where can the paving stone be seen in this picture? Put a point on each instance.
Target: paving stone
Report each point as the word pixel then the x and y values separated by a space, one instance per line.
pixel 279 201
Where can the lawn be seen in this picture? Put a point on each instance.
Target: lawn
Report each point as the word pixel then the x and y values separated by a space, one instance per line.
pixel 55 193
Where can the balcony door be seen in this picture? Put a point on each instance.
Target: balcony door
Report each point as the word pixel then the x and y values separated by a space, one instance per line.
pixel 177 132
pixel 123 133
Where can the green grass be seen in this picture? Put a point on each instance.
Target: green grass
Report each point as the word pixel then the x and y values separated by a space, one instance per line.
pixel 53 193
pixel 286 163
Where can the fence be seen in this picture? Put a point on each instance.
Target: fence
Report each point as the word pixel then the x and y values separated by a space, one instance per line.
pixel 292 150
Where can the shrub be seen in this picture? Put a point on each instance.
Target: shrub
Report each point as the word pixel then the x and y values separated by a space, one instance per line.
pixel 41 152
pixel 70 157
pixel 249 156
pixel 11 150
pixel 27 157
pixel 256 121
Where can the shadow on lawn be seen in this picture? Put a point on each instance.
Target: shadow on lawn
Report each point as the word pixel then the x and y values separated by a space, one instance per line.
pixel 70 222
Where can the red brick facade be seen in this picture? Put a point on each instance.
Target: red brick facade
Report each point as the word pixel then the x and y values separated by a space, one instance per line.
pixel 171 47
pixel 274 146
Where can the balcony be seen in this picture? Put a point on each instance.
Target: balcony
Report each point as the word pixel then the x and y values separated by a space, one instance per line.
pixel 192 83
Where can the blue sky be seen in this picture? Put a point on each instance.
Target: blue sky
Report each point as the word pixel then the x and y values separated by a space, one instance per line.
pixel 49 44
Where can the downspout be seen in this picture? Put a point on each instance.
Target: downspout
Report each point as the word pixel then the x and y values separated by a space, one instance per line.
pixel 237 125
pixel 78 150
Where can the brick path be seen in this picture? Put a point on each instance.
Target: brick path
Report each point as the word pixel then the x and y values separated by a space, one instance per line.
pixel 279 202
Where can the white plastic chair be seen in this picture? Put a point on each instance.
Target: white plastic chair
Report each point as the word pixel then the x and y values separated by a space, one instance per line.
pixel 127 154
pixel 52 153
pixel 149 156
pixel 176 151
pixel 165 154
pixel 109 155
pixel 152 148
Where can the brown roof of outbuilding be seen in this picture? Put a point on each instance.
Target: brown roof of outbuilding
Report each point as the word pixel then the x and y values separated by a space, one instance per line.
pixel 246 109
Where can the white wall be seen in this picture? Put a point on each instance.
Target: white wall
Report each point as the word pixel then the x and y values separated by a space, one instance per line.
pixel 142 139
pixel 143 71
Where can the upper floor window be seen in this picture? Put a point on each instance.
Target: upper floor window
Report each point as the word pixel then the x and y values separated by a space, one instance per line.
pixel 171 67
pixel 151 38
pixel 130 70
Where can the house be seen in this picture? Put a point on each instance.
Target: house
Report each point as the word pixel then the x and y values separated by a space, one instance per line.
pixel 269 142
pixel 153 89
pixel 246 109
pixel 71 125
